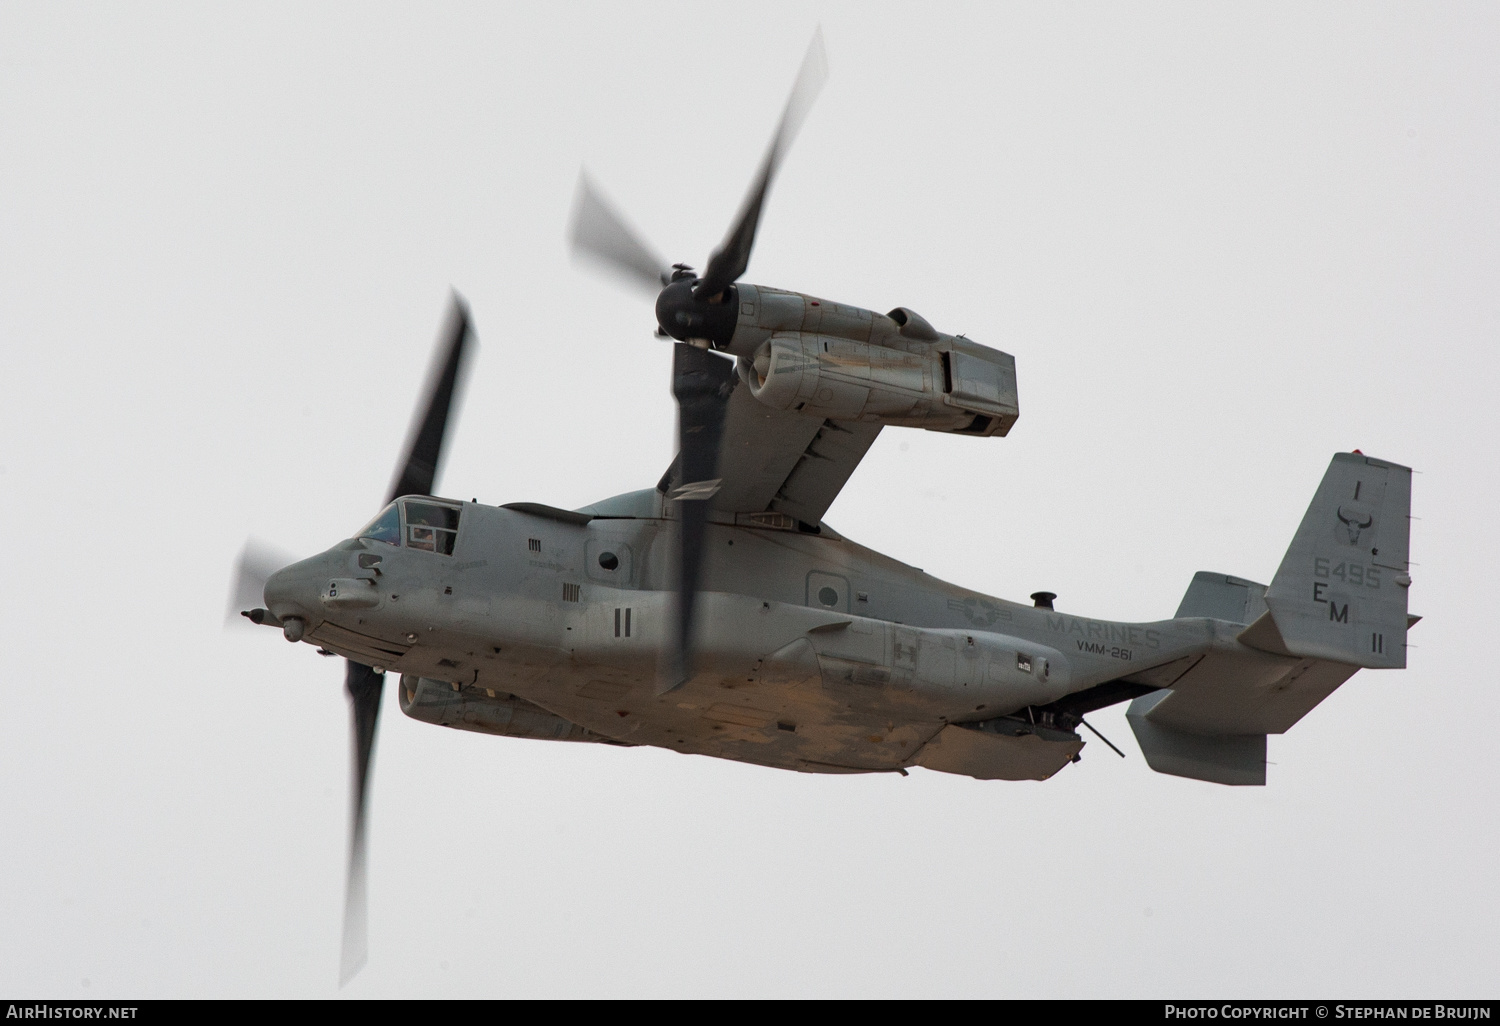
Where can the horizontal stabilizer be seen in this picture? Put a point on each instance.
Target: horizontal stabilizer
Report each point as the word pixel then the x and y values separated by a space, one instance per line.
pixel 1340 593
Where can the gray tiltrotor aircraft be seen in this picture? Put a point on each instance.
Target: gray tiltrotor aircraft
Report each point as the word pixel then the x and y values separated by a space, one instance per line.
pixel 716 614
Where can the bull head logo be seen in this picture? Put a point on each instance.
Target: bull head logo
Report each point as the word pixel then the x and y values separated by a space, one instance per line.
pixel 1355 520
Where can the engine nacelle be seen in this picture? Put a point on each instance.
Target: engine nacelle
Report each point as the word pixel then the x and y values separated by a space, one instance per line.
pixel 830 360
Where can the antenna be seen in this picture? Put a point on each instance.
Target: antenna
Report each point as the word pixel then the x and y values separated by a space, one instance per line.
pixel 1101 737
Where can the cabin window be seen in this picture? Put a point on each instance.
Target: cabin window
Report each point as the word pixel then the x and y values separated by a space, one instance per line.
pixel 384 528
pixel 430 527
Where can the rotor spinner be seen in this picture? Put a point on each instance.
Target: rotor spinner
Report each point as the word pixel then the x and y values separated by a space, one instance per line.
pixel 689 318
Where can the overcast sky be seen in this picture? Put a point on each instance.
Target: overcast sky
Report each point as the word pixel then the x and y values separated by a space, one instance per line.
pixel 1222 242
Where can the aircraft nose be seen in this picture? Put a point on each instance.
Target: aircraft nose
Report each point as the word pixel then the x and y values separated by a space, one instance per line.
pixel 293 591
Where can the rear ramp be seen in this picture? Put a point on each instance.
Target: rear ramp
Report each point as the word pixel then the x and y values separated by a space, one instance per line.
pixel 1337 604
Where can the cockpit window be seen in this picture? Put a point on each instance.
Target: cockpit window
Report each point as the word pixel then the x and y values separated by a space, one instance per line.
pixel 431 527
pixel 384 528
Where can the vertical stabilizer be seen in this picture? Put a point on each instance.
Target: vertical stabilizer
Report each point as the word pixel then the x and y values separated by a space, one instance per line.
pixel 1340 593
pixel 1236 759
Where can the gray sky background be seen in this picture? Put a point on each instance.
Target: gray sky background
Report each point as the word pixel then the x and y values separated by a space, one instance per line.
pixel 1222 242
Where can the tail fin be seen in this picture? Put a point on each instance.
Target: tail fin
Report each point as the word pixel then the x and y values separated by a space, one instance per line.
pixel 1337 603
pixel 1222 597
pixel 1340 593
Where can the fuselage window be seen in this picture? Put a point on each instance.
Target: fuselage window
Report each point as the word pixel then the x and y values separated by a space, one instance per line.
pixel 430 527
pixel 384 528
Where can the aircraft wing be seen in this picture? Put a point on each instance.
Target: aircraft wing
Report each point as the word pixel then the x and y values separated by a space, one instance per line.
pixel 777 462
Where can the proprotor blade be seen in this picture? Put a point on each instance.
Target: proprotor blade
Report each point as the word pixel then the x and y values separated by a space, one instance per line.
pixel 733 255
pixel 701 382
pixel 256 565
pixel 364 686
pixel 600 233
pixel 417 473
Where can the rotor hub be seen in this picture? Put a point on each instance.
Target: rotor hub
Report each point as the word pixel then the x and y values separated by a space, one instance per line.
pixel 686 317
